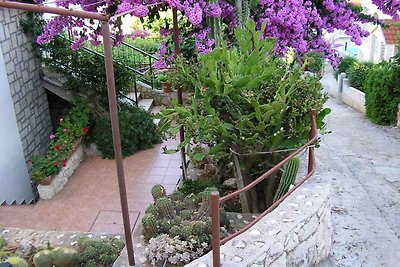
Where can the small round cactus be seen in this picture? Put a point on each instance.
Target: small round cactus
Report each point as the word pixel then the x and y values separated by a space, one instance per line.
pixel 186 214
pixel 158 191
pixel 177 196
pixel 165 225
pixel 175 231
pixel 199 228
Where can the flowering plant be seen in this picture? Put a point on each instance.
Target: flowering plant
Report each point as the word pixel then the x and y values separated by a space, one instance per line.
pixel 294 24
pixel 72 127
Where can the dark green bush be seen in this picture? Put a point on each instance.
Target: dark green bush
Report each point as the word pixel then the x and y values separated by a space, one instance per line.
pixel 345 65
pixel 138 131
pixel 99 253
pixel 382 93
pixel 357 74
pixel 195 186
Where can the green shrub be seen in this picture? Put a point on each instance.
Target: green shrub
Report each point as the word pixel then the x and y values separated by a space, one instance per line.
pixel 382 93
pixel 195 186
pixel 99 253
pixel 149 45
pixel 345 65
pixel 314 62
pixel 138 131
pixel 357 74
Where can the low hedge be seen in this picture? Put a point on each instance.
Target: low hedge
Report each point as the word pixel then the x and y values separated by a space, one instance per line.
pixel 382 93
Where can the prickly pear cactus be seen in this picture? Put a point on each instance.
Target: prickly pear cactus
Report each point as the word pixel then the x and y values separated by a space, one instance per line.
pixel 288 178
pixel 158 191
pixel 164 208
pixel 65 257
pixel 17 262
pixel 43 258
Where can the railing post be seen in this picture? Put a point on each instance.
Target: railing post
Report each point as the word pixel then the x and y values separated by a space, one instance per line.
pixel 311 158
pixel 215 228
pixel 135 86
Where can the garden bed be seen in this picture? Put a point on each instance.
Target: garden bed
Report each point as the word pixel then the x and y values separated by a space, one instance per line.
pixel 57 182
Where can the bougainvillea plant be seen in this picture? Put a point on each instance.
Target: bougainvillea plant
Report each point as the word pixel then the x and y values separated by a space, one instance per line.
pixel 295 24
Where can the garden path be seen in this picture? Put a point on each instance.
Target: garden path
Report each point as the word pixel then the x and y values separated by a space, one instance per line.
pixel 361 161
pixel 90 200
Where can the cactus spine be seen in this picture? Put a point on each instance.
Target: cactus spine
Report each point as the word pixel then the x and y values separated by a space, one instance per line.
pixel 288 178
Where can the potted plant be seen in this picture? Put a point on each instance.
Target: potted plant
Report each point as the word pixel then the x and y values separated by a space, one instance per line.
pixel 167 86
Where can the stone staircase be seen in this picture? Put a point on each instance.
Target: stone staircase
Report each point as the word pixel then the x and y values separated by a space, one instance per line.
pixel 146 103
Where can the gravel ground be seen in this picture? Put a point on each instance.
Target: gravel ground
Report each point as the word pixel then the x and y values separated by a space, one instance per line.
pixel 361 161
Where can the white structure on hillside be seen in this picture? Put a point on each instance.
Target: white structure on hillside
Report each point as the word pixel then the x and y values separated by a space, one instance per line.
pixel 379 45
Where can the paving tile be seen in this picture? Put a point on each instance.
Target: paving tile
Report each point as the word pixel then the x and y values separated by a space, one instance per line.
pixel 94 188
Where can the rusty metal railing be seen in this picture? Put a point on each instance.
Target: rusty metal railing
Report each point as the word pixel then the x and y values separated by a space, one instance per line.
pixel 216 242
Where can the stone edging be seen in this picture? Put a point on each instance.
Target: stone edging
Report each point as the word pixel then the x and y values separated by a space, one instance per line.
pixel 297 233
pixel 49 191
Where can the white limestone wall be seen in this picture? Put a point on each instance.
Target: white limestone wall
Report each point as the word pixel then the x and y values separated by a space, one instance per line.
pixel 297 233
pixel 353 97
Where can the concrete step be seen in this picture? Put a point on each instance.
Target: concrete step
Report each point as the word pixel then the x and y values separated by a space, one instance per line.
pixel 132 95
pixel 155 110
pixel 146 104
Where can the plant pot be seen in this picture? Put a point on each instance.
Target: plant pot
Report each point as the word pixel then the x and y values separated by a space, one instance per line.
pixel 167 87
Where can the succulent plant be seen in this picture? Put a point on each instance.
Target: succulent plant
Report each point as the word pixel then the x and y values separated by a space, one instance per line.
pixel 65 257
pixel 164 208
pixel 288 178
pixel 17 261
pixel 158 191
pixel 43 258
pixel 179 216
pixel 149 225
pixel 58 257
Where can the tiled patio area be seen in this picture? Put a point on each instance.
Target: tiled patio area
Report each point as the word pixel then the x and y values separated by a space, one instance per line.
pixel 90 200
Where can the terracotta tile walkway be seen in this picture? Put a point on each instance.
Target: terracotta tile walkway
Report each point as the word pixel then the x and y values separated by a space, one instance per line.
pixel 90 200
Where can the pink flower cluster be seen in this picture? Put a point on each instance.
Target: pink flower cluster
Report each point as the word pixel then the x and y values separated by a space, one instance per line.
pixel 295 24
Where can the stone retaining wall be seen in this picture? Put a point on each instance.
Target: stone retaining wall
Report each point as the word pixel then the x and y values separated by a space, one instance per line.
pixel 297 233
pixel 160 98
pixel 29 96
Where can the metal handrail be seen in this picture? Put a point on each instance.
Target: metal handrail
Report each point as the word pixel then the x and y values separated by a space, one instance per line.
pixel 216 242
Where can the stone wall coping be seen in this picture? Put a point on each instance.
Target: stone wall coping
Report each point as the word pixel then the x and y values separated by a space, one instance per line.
pixel 275 239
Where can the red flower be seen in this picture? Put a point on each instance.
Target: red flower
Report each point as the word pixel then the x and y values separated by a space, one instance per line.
pixel 55 163
pixel 64 162
pixel 85 129
pixel 57 147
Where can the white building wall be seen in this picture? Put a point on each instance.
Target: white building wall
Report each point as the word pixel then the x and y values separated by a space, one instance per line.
pixel 14 179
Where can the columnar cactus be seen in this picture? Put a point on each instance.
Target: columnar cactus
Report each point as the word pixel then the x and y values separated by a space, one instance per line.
pixel 158 191
pixel 149 225
pixel 164 208
pixel 288 178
